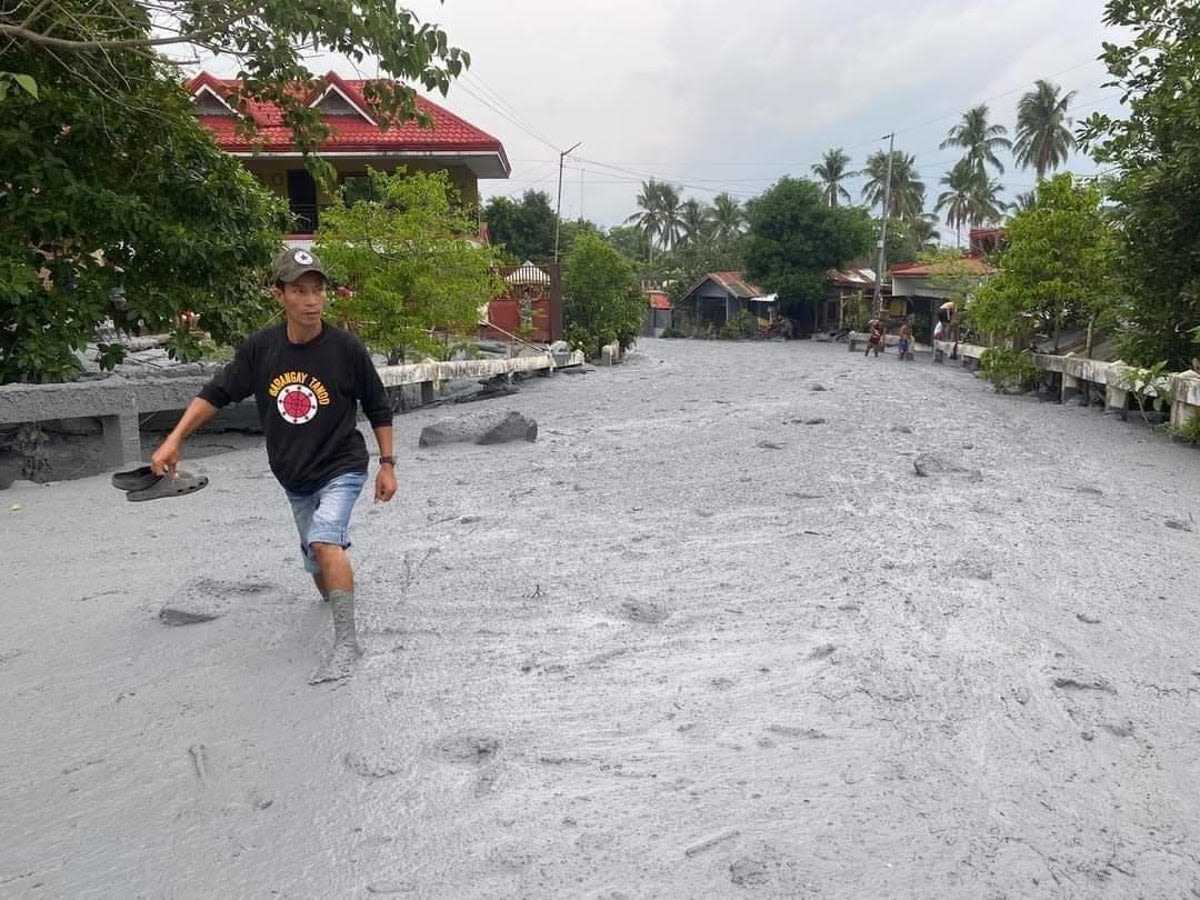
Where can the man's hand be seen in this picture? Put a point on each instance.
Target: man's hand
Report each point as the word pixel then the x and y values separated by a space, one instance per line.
pixel 166 458
pixel 385 484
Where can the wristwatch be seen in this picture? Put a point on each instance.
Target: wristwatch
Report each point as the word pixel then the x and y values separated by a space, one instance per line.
pixel 387 460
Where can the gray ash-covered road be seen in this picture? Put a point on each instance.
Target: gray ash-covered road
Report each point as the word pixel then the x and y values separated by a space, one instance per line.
pixel 710 636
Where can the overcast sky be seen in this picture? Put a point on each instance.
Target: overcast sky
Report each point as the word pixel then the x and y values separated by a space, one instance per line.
pixel 731 95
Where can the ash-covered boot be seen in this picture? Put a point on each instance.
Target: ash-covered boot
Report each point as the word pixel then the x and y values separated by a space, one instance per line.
pixel 345 640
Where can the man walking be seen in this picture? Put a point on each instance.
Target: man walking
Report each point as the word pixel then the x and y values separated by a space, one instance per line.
pixel 308 379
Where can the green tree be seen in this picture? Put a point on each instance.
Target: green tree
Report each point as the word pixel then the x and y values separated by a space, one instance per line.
pixel 1043 139
pixel 831 171
pixel 979 139
pixel 407 257
pixel 971 198
pixel 695 223
pixel 908 191
pixel 729 219
pixel 1156 152
pixel 602 302
pixel 659 211
pixel 93 42
pixel 524 228
pixel 956 199
pixel 631 242
pixel 1058 267
pixel 108 180
pixel 908 241
pixel 795 238
pixel 106 192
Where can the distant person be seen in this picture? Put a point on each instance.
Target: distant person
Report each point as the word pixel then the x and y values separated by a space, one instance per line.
pixel 308 379
pixel 875 337
pixel 904 341
pixel 947 315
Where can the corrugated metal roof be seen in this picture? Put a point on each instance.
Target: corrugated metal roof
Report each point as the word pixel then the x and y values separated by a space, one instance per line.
pixel 733 282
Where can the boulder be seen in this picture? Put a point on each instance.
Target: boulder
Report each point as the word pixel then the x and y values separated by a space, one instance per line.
pixel 481 428
pixel 932 465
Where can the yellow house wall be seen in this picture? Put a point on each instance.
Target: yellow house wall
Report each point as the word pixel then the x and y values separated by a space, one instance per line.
pixel 273 173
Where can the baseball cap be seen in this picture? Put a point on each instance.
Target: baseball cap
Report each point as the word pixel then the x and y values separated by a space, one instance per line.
pixel 291 263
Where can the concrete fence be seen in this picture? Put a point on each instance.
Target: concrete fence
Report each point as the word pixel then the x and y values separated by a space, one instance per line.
pixel 1117 380
pixel 119 402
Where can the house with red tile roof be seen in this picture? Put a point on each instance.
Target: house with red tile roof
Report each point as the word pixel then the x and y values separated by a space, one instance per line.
pixel 658 313
pixel 446 143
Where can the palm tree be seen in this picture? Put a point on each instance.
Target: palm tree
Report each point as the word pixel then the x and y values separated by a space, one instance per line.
pixel 986 206
pixel 908 191
pixel 1023 201
pixel 659 216
pixel 978 138
pixel 1043 140
pixel 956 199
pixel 922 235
pixel 649 217
pixel 831 171
pixel 970 198
pixel 695 220
pixel 728 218
pixel 671 208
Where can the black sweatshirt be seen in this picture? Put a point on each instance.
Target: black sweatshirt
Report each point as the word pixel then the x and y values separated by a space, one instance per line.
pixel 307 396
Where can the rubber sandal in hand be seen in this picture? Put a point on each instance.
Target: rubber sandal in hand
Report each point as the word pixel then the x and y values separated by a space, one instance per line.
pixel 182 484
pixel 134 480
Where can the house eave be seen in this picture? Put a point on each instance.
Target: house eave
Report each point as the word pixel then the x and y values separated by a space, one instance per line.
pixel 483 163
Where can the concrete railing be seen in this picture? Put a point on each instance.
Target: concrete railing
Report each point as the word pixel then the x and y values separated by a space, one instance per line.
pixel 858 340
pixel 1117 379
pixel 118 402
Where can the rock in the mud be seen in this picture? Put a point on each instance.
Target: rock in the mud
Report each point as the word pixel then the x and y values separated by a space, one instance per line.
pixel 480 428
pixel 747 871
pixel 644 611
pixel 932 465
pixel 1178 525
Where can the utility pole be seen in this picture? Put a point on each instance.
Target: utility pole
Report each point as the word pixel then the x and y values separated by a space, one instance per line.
pixel 887 202
pixel 558 208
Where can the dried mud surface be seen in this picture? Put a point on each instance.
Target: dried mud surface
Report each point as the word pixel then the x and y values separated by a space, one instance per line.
pixel 710 636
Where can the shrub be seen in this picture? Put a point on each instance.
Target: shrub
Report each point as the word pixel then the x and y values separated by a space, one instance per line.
pixel 1008 370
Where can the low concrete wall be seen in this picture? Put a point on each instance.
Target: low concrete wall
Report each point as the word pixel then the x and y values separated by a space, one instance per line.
pixel 118 402
pixel 1117 379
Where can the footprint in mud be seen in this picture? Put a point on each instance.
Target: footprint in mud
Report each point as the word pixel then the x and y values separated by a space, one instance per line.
pixel 206 599
pixel 470 749
pixel 370 765
pixel 1084 684
pixel 644 611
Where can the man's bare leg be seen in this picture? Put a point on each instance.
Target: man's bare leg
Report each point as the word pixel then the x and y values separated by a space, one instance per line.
pixel 337 579
pixel 322 583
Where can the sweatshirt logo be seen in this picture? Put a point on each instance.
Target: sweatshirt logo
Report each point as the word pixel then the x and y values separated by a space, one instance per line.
pixel 298 396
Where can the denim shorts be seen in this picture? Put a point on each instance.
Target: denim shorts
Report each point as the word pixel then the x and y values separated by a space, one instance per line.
pixel 323 517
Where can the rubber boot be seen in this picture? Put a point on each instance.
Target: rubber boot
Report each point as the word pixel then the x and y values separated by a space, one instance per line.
pixel 345 640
